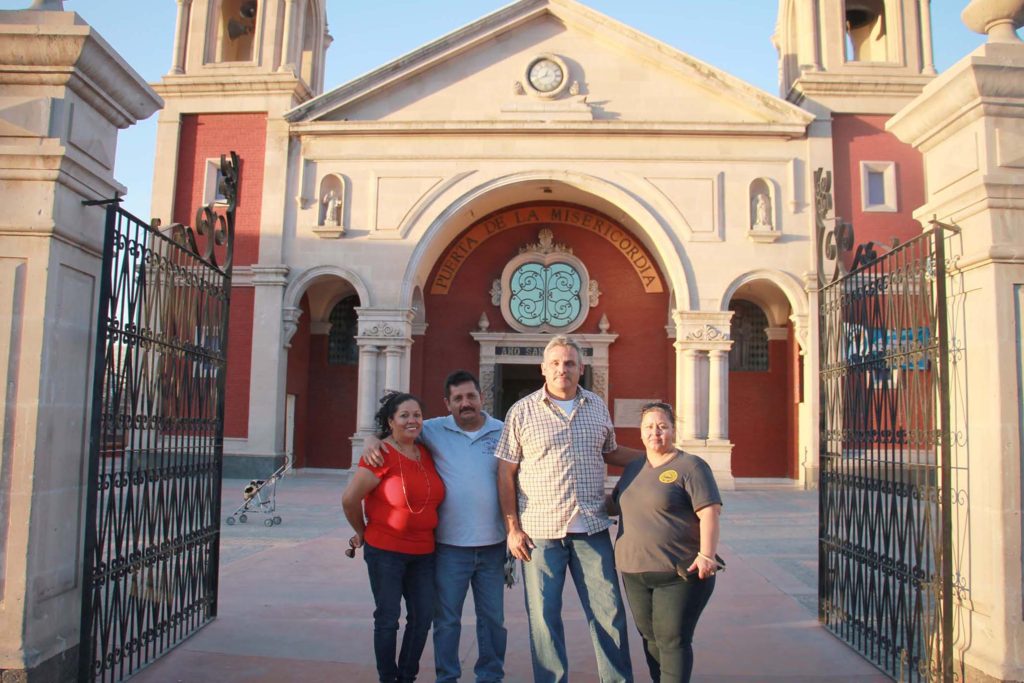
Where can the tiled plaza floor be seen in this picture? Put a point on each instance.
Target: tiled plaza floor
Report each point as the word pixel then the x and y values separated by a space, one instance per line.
pixel 294 608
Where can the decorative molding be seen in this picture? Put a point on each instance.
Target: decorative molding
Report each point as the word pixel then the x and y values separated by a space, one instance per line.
pixel 545 244
pixel 496 292
pixel 269 276
pixel 381 330
pixel 290 316
pixel 709 333
pixel 763 236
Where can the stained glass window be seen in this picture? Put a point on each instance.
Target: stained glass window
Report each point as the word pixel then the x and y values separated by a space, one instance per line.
pixel 545 294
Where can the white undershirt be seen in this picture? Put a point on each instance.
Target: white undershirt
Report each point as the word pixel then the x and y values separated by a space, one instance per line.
pixel 564 405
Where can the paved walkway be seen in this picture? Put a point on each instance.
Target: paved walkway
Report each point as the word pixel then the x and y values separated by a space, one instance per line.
pixel 294 608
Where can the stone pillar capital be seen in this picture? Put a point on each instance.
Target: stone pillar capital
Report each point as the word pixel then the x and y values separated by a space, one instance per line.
pixel 702 329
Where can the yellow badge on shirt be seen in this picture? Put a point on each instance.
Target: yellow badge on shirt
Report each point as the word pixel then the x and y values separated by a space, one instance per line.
pixel 668 477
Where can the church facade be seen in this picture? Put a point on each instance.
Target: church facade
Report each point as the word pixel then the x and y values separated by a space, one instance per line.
pixel 545 169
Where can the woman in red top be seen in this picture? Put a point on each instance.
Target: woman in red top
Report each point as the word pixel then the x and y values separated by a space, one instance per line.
pixel 397 533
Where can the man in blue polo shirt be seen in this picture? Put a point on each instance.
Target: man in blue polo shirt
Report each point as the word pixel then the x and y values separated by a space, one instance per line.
pixel 470 535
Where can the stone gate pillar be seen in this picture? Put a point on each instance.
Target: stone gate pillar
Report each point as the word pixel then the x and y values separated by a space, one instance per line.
pixel 65 93
pixel 969 125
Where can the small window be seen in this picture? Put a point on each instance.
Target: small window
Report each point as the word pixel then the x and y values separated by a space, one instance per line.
pixel 341 341
pixel 213 192
pixel 749 333
pixel 878 186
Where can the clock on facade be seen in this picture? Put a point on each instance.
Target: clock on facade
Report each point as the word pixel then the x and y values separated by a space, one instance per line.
pixel 546 75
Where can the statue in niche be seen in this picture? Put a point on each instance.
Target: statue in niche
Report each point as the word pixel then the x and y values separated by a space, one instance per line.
pixel 331 204
pixel 762 210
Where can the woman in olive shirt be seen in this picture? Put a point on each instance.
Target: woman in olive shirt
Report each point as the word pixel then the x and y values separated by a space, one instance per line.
pixel 665 550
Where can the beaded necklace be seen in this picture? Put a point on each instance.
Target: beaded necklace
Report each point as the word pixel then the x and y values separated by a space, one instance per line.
pixel 401 473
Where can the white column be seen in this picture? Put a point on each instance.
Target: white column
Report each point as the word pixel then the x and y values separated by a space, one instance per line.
pixel 393 356
pixel 265 437
pixel 690 407
pixel 682 382
pixel 287 42
pixel 718 396
pixel 926 37
pixel 366 406
pixel 180 31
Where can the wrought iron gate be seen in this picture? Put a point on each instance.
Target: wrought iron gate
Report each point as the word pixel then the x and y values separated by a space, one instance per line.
pixel 885 529
pixel 153 497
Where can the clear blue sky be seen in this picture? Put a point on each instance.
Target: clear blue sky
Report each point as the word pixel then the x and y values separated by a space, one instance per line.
pixel 733 35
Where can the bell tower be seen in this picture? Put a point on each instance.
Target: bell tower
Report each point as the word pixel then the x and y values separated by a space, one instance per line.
pixel 237 67
pixel 853 56
pixel 232 39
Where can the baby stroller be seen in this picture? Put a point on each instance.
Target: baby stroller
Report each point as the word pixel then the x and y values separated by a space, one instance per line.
pixel 260 495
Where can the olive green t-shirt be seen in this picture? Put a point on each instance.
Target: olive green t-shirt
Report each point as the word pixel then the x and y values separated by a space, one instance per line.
pixel 659 529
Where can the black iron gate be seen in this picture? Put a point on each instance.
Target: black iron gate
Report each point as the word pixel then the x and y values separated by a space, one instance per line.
pixel 153 497
pixel 885 530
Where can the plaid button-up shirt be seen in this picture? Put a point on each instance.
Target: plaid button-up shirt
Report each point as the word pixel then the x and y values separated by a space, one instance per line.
pixel 561 463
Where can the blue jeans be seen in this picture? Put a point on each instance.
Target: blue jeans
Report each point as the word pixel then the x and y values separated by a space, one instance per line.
pixel 394 576
pixel 458 568
pixel 666 608
pixel 590 561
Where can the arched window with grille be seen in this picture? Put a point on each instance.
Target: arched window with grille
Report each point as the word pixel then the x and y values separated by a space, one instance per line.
pixel 749 331
pixel 341 342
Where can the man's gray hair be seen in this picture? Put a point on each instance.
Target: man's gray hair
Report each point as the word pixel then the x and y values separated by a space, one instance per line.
pixel 562 340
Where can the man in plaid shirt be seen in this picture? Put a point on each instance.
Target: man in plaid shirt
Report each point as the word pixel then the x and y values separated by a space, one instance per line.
pixel 553 453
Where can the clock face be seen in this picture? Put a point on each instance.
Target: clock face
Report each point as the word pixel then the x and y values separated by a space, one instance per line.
pixel 545 75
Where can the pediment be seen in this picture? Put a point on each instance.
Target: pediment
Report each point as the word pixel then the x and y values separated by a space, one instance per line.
pixel 617 77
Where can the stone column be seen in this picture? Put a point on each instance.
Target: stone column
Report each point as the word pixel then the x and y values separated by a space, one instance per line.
pixel 702 388
pixel 262 450
pixel 66 94
pixel 718 396
pixel 689 408
pixel 368 392
pixel 387 332
pixel 393 367
pixel 969 126
pixel 180 36
pixel 287 39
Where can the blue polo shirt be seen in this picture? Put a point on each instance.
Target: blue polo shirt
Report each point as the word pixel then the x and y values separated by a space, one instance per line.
pixel 470 514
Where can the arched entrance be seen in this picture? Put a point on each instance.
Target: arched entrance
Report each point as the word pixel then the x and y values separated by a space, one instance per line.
pixel 764 383
pixel 617 287
pixel 323 368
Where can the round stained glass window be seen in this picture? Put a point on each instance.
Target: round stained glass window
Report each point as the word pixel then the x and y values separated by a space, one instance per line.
pixel 545 294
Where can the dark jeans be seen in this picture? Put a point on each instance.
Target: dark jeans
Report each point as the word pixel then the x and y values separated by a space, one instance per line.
pixel 394 576
pixel 666 608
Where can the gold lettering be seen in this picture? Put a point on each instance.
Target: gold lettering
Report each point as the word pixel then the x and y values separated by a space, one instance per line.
pixel 556 214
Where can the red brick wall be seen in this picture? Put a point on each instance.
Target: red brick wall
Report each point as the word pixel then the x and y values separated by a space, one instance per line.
pixel 298 383
pixel 207 136
pixel 760 417
pixel 236 396
pixel 857 138
pixel 642 362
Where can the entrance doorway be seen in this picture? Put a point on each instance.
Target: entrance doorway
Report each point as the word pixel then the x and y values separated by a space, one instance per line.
pixel 513 382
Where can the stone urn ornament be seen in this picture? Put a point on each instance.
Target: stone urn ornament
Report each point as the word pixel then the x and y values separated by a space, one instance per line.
pixel 48 5
pixel 1000 19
